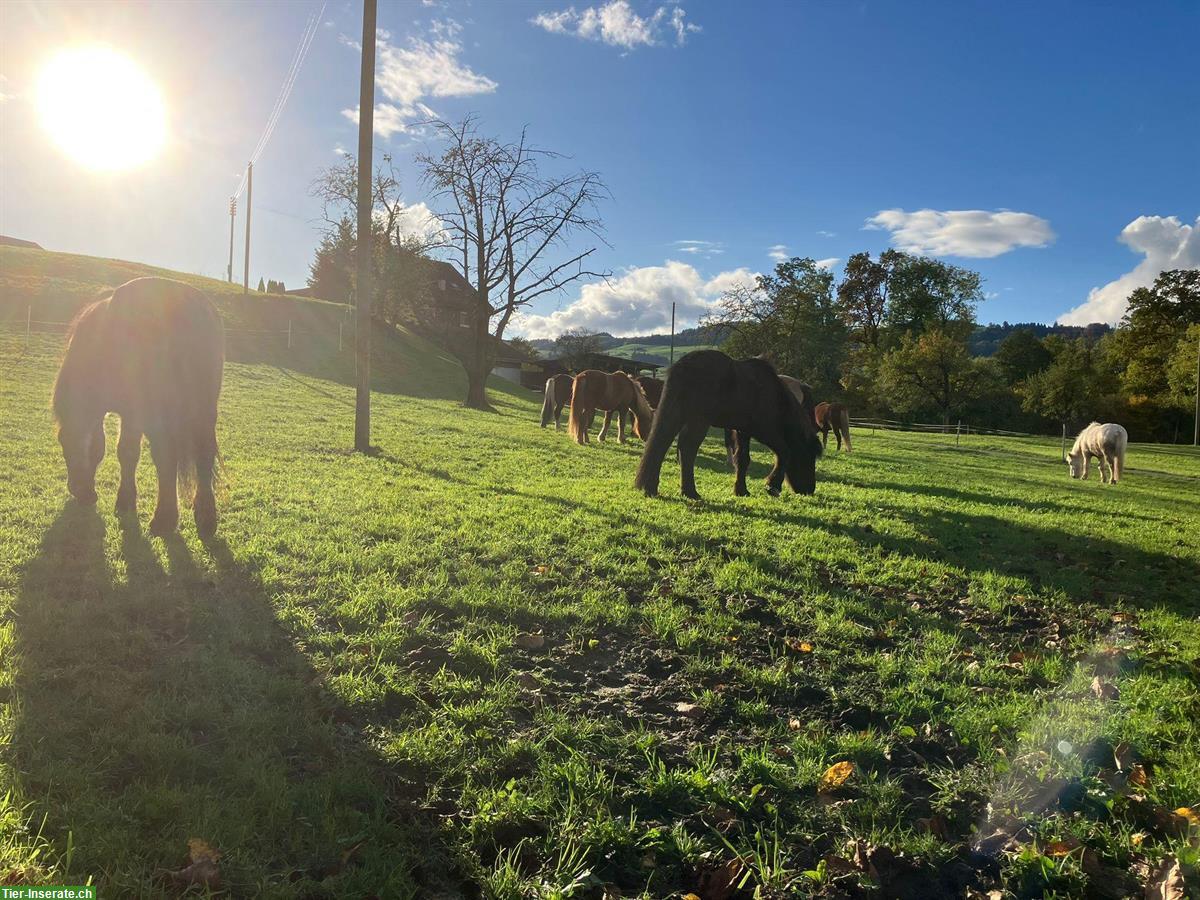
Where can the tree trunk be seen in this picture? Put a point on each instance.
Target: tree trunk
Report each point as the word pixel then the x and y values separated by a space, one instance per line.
pixel 478 367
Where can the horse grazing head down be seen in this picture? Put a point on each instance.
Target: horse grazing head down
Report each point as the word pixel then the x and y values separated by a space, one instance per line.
pixel 804 444
pixel 80 416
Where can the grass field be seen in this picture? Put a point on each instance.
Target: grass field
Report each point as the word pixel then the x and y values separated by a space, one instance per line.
pixel 655 351
pixel 477 662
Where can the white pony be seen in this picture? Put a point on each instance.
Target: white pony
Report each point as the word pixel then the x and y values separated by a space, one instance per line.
pixel 1107 444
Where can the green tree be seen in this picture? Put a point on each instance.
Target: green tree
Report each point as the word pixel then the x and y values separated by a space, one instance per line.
pixel 262 288
pixel 1022 354
pixel 927 294
pixel 1074 389
pixel 931 373
pixel 791 317
pixel 863 294
pixel 575 345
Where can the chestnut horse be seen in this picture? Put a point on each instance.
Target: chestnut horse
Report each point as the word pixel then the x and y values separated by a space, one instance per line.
pixel 837 417
pixel 152 352
pixel 706 388
pixel 611 392
pixel 558 395
pixel 652 387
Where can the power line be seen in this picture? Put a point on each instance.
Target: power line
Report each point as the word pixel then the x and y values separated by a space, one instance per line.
pixel 285 91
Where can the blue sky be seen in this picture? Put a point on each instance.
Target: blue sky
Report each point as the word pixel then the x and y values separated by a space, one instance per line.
pixel 1051 146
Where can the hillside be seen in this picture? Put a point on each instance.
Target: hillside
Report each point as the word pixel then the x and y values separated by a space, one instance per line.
pixel 478 663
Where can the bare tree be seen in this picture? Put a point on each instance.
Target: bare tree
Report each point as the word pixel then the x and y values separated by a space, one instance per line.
pixel 506 226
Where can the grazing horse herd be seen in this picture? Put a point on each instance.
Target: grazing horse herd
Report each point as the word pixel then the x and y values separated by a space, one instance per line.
pixel 152 352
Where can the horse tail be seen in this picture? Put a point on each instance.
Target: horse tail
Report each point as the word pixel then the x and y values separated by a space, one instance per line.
pixel 548 403
pixel 197 395
pixel 844 422
pixel 577 425
pixel 668 420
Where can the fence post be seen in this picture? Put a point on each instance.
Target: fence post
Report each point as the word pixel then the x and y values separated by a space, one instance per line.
pixel 28 322
pixel 1063 448
pixel 339 337
pixel 957 432
pixel 289 334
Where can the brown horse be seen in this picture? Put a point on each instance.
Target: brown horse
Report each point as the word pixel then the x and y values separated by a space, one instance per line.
pixel 652 387
pixel 837 417
pixel 152 352
pixel 558 395
pixel 615 392
pixel 707 388
pixel 803 394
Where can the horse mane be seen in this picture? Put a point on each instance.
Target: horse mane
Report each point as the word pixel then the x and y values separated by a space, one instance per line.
pixel 81 338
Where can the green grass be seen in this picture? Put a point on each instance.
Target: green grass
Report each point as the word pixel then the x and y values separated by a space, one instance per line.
pixel 340 694
pixel 635 350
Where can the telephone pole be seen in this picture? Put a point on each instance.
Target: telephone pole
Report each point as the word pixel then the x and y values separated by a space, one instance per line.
pixel 1196 427
pixel 672 333
pixel 232 217
pixel 249 193
pixel 362 289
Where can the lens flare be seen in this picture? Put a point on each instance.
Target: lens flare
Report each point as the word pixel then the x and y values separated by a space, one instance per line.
pixel 101 109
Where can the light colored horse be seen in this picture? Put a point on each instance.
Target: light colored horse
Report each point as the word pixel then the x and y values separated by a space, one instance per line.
pixel 1107 444
pixel 837 417
pixel 558 395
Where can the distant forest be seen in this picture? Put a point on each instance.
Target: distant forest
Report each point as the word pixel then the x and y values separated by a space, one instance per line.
pixel 984 341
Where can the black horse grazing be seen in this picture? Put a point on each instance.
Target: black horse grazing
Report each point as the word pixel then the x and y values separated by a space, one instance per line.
pixel 152 352
pixel 707 388
pixel 558 394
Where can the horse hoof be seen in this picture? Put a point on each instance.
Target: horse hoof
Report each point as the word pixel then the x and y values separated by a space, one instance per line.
pixel 162 525
pixel 691 495
pixel 773 491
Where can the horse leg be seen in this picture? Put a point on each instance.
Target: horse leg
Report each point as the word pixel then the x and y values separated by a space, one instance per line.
pixel 775 476
pixel 825 438
pixel 129 452
pixel 604 428
pixel 837 433
pixel 731 448
pixel 558 414
pixel 690 439
pixel 741 454
pixel 204 504
pixel 166 461
pixel 620 426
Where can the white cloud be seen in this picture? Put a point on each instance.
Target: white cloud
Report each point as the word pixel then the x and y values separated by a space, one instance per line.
pixel 1164 242
pixel 975 233
pixel 425 68
pixel 828 263
pixel 700 248
pixel 827 233
pixel 617 24
pixel 639 301
pixel 778 252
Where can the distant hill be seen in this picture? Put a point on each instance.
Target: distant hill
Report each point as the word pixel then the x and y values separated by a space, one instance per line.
pixel 987 338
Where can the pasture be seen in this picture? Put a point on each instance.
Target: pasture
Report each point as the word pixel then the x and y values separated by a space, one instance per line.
pixel 478 661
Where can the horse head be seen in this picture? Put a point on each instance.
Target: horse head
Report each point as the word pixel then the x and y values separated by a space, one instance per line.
pixel 804 445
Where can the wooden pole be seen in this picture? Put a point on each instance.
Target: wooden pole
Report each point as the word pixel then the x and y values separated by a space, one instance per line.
pixel 232 217
pixel 672 332
pixel 249 194
pixel 362 291
pixel 958 433
pixel 339 337
pixel 1196 427
pixel 289 334
pixel 1064 442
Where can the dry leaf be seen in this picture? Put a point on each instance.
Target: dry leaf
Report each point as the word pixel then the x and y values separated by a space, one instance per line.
pixel 530 641
pixel 528 681
pixel 1062 848
pixel 1166 883
pixel 794 724
pixel 691 710
pixel 691 897
pixel 798 645
pixel 202 866
pixel 835 776
pixel 1123 756
pixel 720 882
pixel 1189 815
pixel 1138 776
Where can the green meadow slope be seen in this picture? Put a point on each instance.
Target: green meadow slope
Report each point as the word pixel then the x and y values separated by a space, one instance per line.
pixel 476 662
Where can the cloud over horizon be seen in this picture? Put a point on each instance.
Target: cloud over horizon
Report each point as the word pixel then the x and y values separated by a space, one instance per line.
pixel 1164 242
pixel 639 301
pixel 617 24
pixel 423 69
pixel 973 233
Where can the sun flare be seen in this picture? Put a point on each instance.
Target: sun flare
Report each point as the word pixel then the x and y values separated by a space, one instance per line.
pixel 101 109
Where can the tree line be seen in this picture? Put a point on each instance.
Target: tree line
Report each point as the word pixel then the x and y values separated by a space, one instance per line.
pixel 894 338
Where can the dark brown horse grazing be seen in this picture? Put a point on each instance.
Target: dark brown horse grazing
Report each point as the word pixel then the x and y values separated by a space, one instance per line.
pixel 558 395
pixel 837 417
pixel 611 392
pixel 153 353
pixel 803 394
pixel 652 387
pixel 706 388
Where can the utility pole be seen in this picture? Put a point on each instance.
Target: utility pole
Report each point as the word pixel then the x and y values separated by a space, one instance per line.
pixel 1196 427
pixel 232 217
pixel 362 289
pixel 249 194
pixel 672 332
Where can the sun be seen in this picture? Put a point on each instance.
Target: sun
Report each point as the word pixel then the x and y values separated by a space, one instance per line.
pixel 101 109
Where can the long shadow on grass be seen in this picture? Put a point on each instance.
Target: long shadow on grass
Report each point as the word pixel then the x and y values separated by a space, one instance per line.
pixel 160 700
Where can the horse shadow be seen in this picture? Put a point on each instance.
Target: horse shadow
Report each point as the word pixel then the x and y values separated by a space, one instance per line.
pixel 159 699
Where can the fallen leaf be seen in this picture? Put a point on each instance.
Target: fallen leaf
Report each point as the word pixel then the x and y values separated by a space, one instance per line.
pixel 530 641
pixel 1189 815
pixel 835 776
pixel 1123 756
pixel 1138 776
pixel 691 710
pixel 794 724
pixel 1106 882
pixel 528 681
pixel 935 825
pixel 798 645
pixel 1166 882
pixel 1105 690
pixel 1063 847
pixel 202 866
pixel 719 882
pixel 691 897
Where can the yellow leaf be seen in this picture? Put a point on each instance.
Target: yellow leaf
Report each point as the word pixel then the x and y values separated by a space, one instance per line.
pixel 835 776
pixel 1186 812
pixel 200 851
pixel 691 897
pixel 794 724
pixel 1061 848
pixel 1138 776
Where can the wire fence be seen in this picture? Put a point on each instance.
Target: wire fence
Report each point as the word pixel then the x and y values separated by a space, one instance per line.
pixel 957 428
